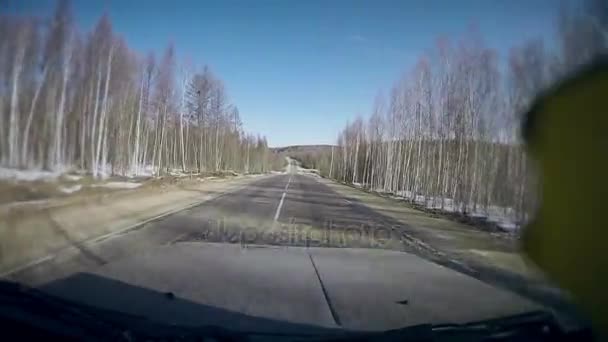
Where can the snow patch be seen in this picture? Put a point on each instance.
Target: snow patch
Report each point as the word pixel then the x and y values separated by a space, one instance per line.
pixel 117 185
pixel 142 171
pixel 147 171
pixel 178 173
pixel 509 226
pixel 102 171
pixel 28 175
pixel 256 175
pixel 72 178
pixel 504 217
pixel 70 189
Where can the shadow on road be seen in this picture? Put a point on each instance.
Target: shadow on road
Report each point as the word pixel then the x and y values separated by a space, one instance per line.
pixel 163 307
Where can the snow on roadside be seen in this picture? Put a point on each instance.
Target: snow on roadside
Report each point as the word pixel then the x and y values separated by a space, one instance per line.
pixel 147 170
pixel 507 225
pixel 204 179
pixel 180 173
pixel 141 171
pixel 70 189
pixel 503 217
pixel 177 174
pixel 117 185
pixel 102 171
pixel 28 175
pixel 72 178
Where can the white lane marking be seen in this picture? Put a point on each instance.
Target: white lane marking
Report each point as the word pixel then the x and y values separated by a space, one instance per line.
pixel 347 201
pixel 276 215
pixel 287 185
pixel 278 212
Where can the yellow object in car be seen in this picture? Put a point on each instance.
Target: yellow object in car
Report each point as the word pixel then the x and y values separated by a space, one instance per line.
pixel 566 132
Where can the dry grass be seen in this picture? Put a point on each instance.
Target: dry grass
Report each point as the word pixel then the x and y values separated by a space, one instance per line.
pixel 460 240
pixel 22 192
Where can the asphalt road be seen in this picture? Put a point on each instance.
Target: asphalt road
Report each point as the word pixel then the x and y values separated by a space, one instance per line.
pixel 285 253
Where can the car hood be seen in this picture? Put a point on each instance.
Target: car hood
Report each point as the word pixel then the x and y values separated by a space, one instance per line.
pixel 287 289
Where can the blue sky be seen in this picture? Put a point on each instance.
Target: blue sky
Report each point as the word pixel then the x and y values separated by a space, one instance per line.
pixel 298 70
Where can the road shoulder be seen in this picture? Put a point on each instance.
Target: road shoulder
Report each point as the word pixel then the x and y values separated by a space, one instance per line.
pixel 32 235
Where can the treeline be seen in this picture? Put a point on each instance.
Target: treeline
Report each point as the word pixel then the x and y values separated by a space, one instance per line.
pixel 447 133
pixel 87 101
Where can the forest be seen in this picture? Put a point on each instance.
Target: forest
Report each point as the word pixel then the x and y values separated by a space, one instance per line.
pixel 447 133
pixel 85 101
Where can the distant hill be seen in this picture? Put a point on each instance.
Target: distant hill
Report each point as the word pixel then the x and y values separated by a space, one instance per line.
pixel 301 149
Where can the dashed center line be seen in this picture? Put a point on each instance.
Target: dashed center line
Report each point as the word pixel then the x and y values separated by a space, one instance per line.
pixel 287 185
pixel 276 215
pixel 278 212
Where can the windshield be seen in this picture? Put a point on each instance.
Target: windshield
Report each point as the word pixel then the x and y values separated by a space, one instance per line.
pixel 281 166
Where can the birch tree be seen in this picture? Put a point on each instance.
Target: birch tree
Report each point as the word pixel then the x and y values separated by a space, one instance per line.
pixel 86 101
pixel 448 137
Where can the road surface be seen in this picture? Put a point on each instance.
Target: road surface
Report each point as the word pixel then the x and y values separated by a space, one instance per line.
pixel 285 253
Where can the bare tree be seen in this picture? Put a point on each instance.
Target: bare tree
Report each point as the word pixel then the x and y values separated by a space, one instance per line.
pixel 448 137
pixel 91 103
